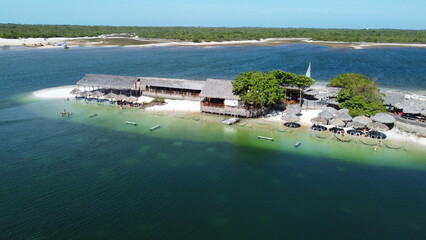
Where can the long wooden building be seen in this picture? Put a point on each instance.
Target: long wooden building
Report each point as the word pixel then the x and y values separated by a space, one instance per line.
pixel 215 95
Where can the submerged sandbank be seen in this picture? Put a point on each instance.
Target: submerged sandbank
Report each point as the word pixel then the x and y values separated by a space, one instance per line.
pixel 63 92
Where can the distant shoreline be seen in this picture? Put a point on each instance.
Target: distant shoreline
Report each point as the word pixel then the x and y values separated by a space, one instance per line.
pixel 135 42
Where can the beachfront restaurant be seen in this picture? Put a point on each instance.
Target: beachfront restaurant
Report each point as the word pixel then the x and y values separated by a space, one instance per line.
pixel 218 98
pixel 178 89
pixel 111 83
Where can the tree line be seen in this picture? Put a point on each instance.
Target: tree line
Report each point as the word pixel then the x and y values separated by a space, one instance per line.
pixel 198 34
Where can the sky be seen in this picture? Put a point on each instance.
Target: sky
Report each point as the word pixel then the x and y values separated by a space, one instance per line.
pixel 399 14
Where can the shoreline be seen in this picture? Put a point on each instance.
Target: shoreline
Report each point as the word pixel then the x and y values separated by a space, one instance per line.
pixel 186 106
pixel 104 41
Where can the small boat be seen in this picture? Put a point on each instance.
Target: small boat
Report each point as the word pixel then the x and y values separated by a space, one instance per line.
pixel 308 72
pixel 66 45
pixel 230 121
pixel 93 115
pixel 265 138
pixel 155 127
pixel 131 123
pixel 297 144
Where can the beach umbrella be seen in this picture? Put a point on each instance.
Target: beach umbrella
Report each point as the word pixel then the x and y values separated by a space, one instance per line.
pixel 111 95
pixel 332 91
pixel 291 111
pixel 344 117
pixel 424 112
pixel 337 122
pixel 326 115
pixel 319 121
pixel 383 118
pixel 97 94
pixel 321 96
pixel 121 97
pixel 356 125
pixel 85 94
pixel 294 107
pixel 75 91
pixel 400 104
pixel 332 110
pixel 291 118
pixel 362 119
pixel 332 101
pixel 311 92
pixel 343 110
pixel 377 126
pixel 132 99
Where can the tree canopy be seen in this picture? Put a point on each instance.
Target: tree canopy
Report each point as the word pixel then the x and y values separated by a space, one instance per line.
pixel 207 34
pixel 358 93
pixel 258 88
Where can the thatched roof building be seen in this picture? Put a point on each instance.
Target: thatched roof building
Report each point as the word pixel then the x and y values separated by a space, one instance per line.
pixel 383 118
pixel 172 83
pixel 215 88
pixel 108 81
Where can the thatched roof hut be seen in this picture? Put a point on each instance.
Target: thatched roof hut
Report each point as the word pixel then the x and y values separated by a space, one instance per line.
pixel 291 118
pixel 362 119
pixel 132 99
pixel 337 122
pixel 356 125
pixel 326 115
pixel 110 96
pixel 311 92
pixel 383 118
pixel 344 116
pixel 393 97
pixel 343 110
pixel 332 91
pixel 75 91
pixel 222 89
pixel 412 108
pixel 332 110
pixel 319 121
pixel 108 81
pixel 377 126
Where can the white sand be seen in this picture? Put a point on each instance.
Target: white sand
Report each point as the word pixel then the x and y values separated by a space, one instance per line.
pixel 178 106
pixel 55 92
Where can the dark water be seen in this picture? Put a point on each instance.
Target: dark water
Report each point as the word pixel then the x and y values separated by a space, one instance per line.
pixel 75 179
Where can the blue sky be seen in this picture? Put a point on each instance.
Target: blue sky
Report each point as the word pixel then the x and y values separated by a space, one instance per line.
pixel 408 14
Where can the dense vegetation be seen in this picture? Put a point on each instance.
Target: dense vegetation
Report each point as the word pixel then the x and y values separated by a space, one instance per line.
pixel 359 94
pixel 263 89
pixel 197 34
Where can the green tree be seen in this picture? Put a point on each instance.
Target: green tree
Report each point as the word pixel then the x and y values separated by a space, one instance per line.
pixel 358 93
pixel 258 88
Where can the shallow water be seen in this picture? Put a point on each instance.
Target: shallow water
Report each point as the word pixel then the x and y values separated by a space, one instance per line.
pixel 97 178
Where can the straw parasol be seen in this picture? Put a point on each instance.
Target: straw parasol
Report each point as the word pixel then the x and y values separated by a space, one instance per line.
pixel 121 97
pixel 311 92
pixel 344 117
pixel 294 106
pixel 85 94
pixel 383 118
pixel 332 110
pixel 326 115
pixel 332 91
pixel 132 99
pixel 362 119
pixel 393 97
pixel 291 118
pixel 356 125
pixel 111 96
pixel 319 121
pixel 75 91
pixel 337 122
pixel 343 110
pixel 97 94
pixel 292 111
pixel 377 126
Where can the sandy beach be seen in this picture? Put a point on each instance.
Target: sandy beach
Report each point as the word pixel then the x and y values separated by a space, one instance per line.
pixel 62 92
pixel 136 42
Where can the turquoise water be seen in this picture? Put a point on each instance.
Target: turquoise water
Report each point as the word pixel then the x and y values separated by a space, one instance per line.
pixel 97 178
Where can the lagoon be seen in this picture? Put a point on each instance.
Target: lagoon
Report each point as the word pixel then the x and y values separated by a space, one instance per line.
pixel 98 178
